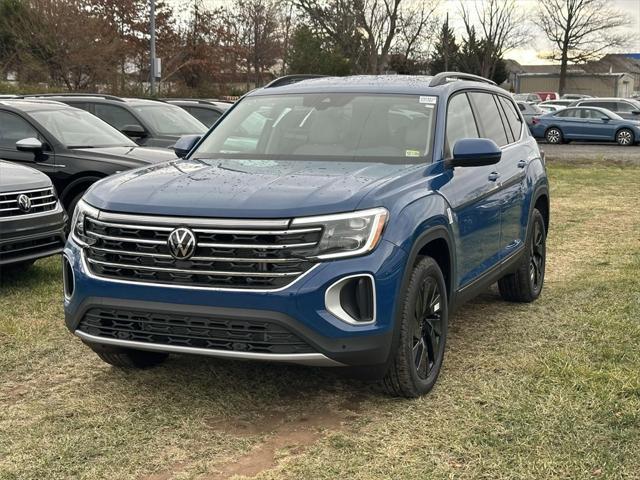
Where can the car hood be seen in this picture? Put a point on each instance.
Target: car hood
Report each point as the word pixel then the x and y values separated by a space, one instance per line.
pixel 128 156
pixel 242 188
pixel 18 177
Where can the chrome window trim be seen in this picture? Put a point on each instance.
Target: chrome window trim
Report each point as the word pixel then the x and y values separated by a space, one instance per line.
pixel 310 359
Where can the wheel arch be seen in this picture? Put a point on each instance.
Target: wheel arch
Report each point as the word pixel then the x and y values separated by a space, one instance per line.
pixel 541 202
pixel 624 127
pixel 79 184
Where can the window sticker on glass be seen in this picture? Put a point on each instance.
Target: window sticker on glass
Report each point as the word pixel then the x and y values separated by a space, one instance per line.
pixel 428 99
pixel 412 153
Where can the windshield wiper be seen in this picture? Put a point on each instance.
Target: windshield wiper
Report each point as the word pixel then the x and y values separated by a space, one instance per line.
pixel 71 147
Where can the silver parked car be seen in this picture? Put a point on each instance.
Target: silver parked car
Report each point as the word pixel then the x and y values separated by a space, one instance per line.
pixel 529 112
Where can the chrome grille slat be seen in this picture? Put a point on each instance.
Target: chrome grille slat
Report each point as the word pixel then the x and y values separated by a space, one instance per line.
pixel 230 254
pixel 199 259
pixel 194 271
pixel 207 230
pixel 205 244
pixel 9 201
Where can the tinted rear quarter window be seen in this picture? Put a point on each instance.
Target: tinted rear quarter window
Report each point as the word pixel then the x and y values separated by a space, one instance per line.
pixel 489 117
pixel 513 119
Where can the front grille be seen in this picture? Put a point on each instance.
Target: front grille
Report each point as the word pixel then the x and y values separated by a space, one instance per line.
pixel 229 254
pixel 21 248
pixel 192 331
pixel 42 200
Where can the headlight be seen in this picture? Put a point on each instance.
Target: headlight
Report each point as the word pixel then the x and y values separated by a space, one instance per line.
pixel 82 211
pixel 346 234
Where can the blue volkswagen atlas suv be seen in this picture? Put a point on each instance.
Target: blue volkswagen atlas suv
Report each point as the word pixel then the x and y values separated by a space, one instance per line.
pixel 326 221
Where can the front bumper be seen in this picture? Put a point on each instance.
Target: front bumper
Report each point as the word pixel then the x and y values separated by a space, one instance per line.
pixel 299 308
pixel 29 237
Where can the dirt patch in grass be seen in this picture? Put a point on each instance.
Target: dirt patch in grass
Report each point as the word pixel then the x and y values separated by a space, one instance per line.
pixel 548 390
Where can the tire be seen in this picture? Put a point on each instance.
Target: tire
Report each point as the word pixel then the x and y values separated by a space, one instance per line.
pixel 525 284
pixel 417 361
pixel 625 138
pixel 554 136
pixel 128 358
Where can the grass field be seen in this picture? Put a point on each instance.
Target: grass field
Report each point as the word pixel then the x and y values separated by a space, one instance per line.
pixel 548 390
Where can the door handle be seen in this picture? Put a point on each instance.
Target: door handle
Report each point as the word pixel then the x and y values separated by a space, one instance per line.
pixel 494 176
pixel 522 164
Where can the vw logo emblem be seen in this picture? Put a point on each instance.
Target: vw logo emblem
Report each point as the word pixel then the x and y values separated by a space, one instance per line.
pixel 24 203
pixel 182 243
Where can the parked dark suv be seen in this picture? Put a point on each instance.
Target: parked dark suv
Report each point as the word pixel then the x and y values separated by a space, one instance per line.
pixel 150 123
pixel 71 146
pixel 31 218
pixel 333 221
pixel 206 111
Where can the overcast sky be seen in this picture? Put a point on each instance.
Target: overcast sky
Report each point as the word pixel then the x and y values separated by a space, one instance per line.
pixel 530 53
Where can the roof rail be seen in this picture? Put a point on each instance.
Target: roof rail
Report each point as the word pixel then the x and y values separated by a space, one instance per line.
pixel 94 95
pixel 289 79
pixel 446 77
pixel 195 100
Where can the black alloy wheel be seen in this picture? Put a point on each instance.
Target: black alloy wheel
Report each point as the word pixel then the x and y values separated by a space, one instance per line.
pixel 428 346
pixel 422 333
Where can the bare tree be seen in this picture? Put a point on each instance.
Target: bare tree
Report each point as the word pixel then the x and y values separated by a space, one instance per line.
pixel 499 26
pixel 375 27
pixel 417 27
pixel 580 30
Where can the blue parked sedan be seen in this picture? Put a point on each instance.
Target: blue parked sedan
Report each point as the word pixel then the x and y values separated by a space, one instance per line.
pixel 586 123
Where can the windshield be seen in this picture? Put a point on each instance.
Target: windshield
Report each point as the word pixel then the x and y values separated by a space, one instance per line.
pixel 326 126
pixel 169 120
pixel 75 128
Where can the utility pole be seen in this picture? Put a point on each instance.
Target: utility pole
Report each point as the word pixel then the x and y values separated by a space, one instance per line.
pixel 152 53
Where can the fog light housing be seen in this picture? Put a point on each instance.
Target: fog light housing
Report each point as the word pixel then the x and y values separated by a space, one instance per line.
pixel 353 299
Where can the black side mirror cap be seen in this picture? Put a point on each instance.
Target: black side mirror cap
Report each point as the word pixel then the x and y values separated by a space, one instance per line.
pixel 475 152
pixel 185 144
pixel 134 131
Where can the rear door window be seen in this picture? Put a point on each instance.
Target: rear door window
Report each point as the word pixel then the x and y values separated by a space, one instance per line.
pixel 460 120
pixel 117 117
pixel 624 107
pixel 489 119
pixel 207 116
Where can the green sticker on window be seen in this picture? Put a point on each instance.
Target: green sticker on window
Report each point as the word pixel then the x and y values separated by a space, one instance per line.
pixel 412 153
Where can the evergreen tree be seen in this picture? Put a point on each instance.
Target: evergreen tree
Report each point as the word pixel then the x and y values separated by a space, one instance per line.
pixel 311 53
pixel 446 51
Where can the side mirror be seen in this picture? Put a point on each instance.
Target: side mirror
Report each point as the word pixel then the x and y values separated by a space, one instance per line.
pixel 134 131
pixel 475 152
pixel 605 119
pixel 636 112
pixel 29 145
pixel 185 144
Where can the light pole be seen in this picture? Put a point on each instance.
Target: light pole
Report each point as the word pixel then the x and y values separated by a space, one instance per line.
pixel 152 46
